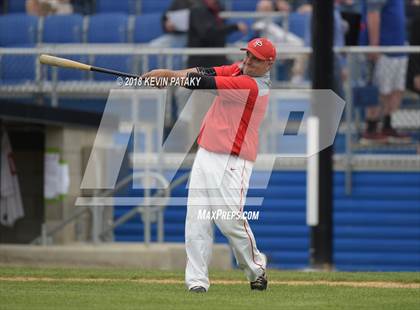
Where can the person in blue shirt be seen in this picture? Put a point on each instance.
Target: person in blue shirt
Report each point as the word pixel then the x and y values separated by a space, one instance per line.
pixel 383 24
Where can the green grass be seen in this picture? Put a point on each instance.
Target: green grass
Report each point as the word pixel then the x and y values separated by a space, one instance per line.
pixel 122 293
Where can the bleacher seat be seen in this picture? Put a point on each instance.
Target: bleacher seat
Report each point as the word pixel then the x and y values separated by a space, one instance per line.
pixel 107 28
pixel 243 5
pixel 16 6
pixel 16 69
pixel 115 62
pixel 299 24
pixel 112 6
pixel 154 6
pixel 147 27
pixel 63 29
pixel 18 30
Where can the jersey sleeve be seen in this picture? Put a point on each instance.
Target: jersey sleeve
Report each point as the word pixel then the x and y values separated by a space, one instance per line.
pixel 227 75
pixel 227 70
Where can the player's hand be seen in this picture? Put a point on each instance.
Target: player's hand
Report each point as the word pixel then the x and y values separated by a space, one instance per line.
pixel 158 73
pixel 242 27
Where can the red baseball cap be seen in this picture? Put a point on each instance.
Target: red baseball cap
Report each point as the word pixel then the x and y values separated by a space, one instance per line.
pixel 261 48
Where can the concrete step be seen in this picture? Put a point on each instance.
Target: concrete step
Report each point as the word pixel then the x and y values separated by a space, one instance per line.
pixel 165 256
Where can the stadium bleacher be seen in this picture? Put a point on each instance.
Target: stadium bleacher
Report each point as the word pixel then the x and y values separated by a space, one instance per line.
pixel 147 27
pixel 243 5
pixel 18 68
pixel 25 30
pixel 121 6
pixel 63 29
pixel 153 6
pixel 127 21
pixel 299 24
pixel 16 6
pixel 113 23
pixel 109 28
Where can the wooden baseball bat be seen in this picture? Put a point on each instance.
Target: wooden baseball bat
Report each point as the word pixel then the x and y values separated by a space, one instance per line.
pixel 71 64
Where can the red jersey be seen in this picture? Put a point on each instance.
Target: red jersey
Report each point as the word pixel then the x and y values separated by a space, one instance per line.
pixel 232 123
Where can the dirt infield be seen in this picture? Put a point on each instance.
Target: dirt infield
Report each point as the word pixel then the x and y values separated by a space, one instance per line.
pixel 369 284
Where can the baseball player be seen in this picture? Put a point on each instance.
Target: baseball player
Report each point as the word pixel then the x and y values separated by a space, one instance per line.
pixel 228 143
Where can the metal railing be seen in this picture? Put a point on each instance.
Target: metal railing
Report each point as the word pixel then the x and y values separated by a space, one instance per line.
pixel 147 210
pixel 87 88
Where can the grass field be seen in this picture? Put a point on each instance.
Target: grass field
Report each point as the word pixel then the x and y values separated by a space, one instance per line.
pixel 57 288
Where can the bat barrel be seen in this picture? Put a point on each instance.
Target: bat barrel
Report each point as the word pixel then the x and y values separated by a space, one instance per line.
pixel 67 63
pixel 63 62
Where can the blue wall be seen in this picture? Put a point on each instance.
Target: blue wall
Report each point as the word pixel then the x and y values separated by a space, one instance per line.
pixel 376 228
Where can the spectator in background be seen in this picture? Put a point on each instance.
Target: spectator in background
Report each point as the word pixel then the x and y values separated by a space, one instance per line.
pixel 383 23
pixel 413 72
pixel 207 29
pixel 172 36
pixel 48 7
pixel 269 29
pixel 281 6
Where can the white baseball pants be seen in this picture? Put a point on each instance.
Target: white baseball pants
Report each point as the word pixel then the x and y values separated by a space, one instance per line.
pixel 218 182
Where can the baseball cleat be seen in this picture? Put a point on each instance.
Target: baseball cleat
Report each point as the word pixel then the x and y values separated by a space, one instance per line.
pixel 260 284
pixel 198 289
